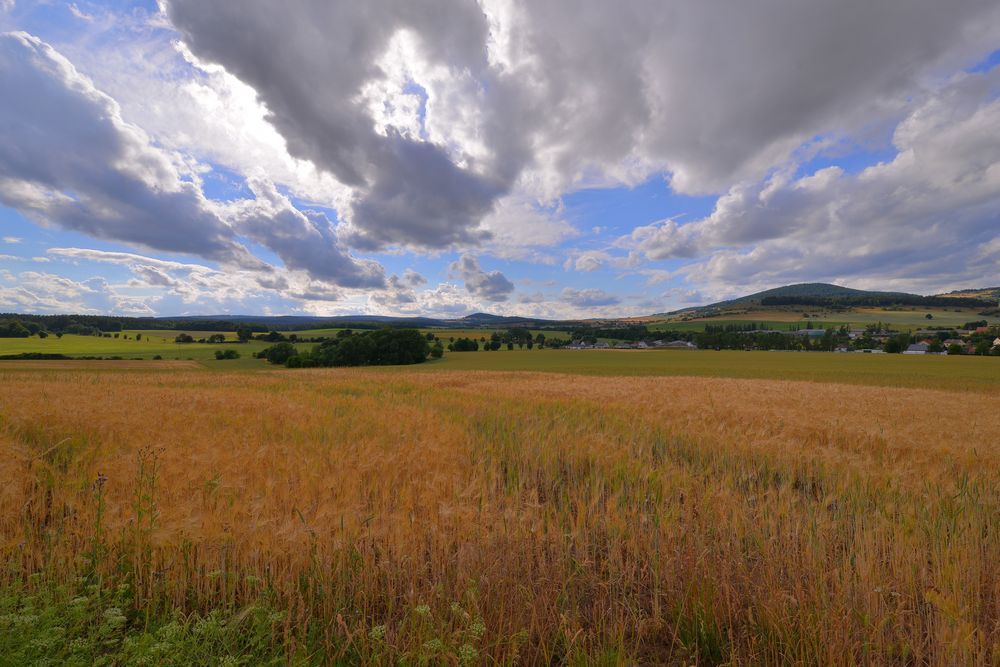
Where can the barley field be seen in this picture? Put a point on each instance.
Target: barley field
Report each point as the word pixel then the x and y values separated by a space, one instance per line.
pixel 181 516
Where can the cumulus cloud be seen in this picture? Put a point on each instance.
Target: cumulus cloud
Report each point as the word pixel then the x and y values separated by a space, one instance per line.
pixel 434 112
pixel 929 215
pixel 588 298
pixel 491 286
pixel 68 158
pixel 522 229
pixel 71 160
pixel 31 291
pixel 406 190
pixel 303 239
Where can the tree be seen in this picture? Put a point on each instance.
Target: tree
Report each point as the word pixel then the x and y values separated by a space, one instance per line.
pixel 43 334
pixel 138 336
pixel 929 316
pixel 226 354
pixel 244 333
pixel 184 338
pixel 935 346
pixel 217 338
pixel 279 353
pixel 13 329
pixel 955 348
pixel 465 345
pixel 896 344
pixel 437 351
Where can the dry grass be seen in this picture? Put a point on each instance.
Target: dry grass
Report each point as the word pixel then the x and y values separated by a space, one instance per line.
pixel 521 518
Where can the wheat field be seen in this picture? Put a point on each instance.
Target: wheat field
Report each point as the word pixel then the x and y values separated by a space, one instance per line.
pixel 362 516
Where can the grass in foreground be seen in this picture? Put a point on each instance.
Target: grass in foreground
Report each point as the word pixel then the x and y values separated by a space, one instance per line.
pixel 369 516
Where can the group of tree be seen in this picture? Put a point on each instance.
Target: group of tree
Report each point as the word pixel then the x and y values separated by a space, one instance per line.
pixel 381 347
pixel 878 301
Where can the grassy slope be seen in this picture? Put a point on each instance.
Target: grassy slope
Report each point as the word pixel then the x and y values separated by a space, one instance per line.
pixel 859 317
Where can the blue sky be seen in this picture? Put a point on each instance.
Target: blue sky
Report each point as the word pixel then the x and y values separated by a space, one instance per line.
pixel 566 160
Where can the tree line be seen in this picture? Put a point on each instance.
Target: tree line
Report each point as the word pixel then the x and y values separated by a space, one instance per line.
pixel 877 300
pixel 381 347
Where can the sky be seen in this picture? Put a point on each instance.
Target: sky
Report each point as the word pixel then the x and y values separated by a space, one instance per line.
pixel 547 158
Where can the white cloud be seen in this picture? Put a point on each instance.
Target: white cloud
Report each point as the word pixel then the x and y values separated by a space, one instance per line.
pixel 32 291
pixel 11 239
pixel 67 158
pixel 518 97
pixel 589 298
pixel 490 286
pixel 924 220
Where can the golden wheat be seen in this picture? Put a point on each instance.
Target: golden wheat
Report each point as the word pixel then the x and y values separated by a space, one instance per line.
pixel 522 518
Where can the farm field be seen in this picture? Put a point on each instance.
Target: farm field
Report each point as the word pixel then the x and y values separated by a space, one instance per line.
pixel 444 515
pixel 443 334
pixel 152 344
pixel 933 372
pixel 888 370
pixel 905 320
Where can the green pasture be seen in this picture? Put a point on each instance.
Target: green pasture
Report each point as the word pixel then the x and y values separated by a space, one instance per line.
pixel 895 370
pixel 697 326
pixel 942 372
pixel 128 348
pixel 168 335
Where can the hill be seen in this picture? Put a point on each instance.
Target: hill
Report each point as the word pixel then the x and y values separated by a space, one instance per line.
pixel 985 293
pixel 809 292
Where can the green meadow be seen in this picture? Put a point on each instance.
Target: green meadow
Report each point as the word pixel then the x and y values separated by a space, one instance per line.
pixel 933 372
pixel 152 344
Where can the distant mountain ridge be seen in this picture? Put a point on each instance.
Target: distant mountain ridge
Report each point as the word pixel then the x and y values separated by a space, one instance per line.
pixel 838 296
pixel 293 322
pixel 808 290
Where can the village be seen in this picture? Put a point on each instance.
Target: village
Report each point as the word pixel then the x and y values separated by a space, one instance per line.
pixel 977 338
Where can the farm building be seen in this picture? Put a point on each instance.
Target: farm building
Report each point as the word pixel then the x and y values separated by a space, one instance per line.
pixel 917 348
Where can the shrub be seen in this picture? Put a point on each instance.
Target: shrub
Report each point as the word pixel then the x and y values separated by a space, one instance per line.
pixel 226 354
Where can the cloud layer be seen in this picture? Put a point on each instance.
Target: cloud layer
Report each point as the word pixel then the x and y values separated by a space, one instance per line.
pixel 313 154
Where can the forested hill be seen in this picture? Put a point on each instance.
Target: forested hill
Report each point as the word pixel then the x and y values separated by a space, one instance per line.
pixel 824 294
